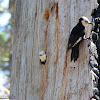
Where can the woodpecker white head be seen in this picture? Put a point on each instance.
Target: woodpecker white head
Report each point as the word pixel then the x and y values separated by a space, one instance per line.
pixel 42 56
pixel 85 21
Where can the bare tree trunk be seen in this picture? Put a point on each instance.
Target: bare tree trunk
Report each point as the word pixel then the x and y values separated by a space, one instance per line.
pixel 46 25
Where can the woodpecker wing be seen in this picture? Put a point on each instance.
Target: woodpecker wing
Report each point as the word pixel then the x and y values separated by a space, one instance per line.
pixel 76 36
pixel 75 52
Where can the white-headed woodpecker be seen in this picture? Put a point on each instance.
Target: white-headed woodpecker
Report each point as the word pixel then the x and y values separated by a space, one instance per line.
pixel 76 36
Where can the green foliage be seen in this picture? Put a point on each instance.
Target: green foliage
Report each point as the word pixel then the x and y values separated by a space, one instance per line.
pixel 5 51
pixel 5 42
pixel 1 1
pixel 2 9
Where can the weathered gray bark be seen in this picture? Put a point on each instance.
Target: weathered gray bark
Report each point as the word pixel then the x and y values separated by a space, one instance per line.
pixel 46 25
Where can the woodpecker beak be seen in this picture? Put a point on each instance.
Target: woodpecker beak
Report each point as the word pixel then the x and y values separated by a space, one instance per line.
pixel 91 23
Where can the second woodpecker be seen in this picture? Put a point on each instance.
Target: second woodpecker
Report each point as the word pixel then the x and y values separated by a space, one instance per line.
pixel 76 36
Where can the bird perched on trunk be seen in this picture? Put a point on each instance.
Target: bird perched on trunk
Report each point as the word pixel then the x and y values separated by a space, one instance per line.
pixel 76 36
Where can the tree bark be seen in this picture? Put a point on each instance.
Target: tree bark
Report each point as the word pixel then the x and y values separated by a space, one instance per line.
pixel 46 25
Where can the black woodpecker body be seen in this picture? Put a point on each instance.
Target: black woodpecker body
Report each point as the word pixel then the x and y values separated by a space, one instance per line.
pixel 76 37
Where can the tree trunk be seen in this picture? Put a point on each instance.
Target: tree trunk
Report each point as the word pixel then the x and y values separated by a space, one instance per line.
pixel 46 25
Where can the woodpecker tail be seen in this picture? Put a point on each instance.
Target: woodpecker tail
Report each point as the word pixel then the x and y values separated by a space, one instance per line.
pixel 75 52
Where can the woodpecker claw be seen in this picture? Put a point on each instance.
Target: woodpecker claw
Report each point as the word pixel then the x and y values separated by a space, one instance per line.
pixel 88 38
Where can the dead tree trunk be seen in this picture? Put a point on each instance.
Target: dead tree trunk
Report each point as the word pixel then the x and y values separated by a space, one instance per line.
pixel 46 25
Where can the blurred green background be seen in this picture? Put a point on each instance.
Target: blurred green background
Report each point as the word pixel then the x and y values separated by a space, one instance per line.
pixel 6 32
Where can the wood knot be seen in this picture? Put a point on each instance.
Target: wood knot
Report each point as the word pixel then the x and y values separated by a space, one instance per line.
pixel 46 15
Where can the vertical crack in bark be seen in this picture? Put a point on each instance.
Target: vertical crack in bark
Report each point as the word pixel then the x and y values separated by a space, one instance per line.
pixel 18 82
pixel 44 81
pixel 57 34
pixel 64 75
pixel 26 72
pixel 36 12
pixel 45 39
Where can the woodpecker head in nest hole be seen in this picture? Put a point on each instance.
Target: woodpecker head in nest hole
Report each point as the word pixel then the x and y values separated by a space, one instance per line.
pixel 42 56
